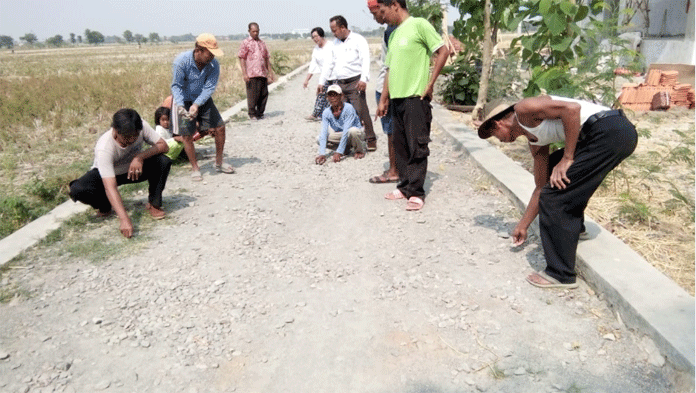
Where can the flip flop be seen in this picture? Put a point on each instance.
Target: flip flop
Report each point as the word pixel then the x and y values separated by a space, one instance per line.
pixel 379 179
pixel 414 204
pixel 196 176
pixel 224 167
pixel 394 195
pixel 552 282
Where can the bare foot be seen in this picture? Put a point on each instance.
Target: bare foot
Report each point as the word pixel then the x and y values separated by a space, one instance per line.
pixel 359 155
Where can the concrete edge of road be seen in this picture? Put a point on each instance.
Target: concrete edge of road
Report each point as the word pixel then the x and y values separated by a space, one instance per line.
pixel 644 298
pixel 35 231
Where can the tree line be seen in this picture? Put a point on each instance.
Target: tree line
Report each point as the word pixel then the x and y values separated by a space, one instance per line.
pixel 92 37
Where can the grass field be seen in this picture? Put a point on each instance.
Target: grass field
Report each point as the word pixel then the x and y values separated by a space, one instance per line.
pixel 55 103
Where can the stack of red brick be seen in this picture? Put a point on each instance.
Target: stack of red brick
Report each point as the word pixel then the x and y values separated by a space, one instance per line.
pixel 659 91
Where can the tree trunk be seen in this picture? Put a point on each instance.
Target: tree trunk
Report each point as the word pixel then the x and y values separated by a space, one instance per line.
pixel 477 113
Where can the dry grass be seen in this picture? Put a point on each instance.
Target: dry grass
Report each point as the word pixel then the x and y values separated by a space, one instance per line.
pixel 636 202
pixel 55 103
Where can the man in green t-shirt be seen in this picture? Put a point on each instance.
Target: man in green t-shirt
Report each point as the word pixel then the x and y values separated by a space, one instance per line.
pixel 409 88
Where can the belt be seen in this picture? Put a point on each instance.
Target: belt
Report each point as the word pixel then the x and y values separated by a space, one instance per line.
pixel 601 115
pixel 346 81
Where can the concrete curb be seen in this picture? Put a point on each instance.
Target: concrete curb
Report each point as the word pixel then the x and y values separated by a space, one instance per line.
pixel 644 298
pixel 32 233
pixel 37 230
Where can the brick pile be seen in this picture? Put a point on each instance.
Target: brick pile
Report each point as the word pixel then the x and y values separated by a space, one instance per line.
pixel 659 91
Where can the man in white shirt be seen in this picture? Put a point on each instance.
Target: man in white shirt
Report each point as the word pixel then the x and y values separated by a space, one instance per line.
pixel 349 63
pixel 119 158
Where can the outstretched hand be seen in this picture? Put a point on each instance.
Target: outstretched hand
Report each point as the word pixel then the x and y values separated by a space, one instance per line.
pixel 519 235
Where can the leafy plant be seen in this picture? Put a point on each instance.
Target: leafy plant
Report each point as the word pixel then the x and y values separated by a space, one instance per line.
pixel 552 48
pixel 279 62
pixel 462 83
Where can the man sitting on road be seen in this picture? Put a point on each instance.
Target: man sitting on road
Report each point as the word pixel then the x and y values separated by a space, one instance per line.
pixel 345 126
pixel 119 159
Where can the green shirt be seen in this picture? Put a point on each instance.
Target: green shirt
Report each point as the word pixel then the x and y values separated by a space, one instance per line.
pixel 408 58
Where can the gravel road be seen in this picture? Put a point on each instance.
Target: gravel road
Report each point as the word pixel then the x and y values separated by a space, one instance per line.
pixel 293 277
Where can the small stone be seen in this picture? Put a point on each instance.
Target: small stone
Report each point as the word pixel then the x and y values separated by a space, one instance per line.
pixel 102 385
pixel 97 321
pixel 192 204
pixel 145 344
pixel 609 336
pixel 4 355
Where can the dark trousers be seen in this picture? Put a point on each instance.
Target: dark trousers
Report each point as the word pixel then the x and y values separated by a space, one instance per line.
pixel 411 118
pixel 359 101
pixel 257 95
pixel 89 189
pixel 561 212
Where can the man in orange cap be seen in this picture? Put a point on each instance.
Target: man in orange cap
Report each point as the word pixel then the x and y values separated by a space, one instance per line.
pixel 195 77
pixel 391 175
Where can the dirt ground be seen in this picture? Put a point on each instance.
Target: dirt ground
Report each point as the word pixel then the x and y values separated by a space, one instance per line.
pixel 293 277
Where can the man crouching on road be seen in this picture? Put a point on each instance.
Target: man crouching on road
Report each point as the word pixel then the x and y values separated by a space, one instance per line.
pixel 119 159
pixel 346 126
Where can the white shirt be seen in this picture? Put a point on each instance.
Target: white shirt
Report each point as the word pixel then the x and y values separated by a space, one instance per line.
pixel 347 59
pixel 111 159
pixel 552 131
pixel 318 58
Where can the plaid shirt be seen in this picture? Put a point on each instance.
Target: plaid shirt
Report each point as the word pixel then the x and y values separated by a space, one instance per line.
pixel 255 53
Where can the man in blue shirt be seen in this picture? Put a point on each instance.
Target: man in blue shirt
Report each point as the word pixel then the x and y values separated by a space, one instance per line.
pixel 195 76
pixel 342 118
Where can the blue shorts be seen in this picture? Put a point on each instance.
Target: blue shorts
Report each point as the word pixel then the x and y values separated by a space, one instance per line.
pixel 386 119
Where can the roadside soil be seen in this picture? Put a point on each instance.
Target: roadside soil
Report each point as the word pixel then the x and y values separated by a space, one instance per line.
pixel 293 277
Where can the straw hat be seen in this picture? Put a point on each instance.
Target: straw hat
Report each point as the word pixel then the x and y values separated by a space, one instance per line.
pixel 499 112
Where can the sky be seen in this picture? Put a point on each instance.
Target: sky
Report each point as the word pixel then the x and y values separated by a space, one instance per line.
pixel 46 18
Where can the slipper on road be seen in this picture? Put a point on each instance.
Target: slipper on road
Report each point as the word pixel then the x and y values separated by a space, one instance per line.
pixel 550 281
pixel 196 176
pixel 380 179
pixel 394 195
pixel 414 204
pixel 224 168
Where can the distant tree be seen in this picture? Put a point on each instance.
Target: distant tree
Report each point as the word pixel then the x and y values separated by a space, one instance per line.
pixel 72 38
pixel 154 37
pixel 6 41
pixel 139 38
pixel 29 38
pixel 94 37
pixel 79 39
pixel 56 40
pixel 128 35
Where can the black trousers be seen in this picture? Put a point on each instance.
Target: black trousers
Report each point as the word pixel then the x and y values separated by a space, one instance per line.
pixel 89 189
pixel 359 101
pixel 257 96
pixel 561 212
pixel 411 119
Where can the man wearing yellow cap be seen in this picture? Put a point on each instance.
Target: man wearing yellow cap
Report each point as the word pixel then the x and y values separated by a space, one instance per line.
pixel 195 76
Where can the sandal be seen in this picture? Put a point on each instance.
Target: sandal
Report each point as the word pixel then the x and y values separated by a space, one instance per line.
pixel 196 176
pixel 394 195
pixel 551 282
pixel 379 179
pixel 414 203
pixel 224 167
